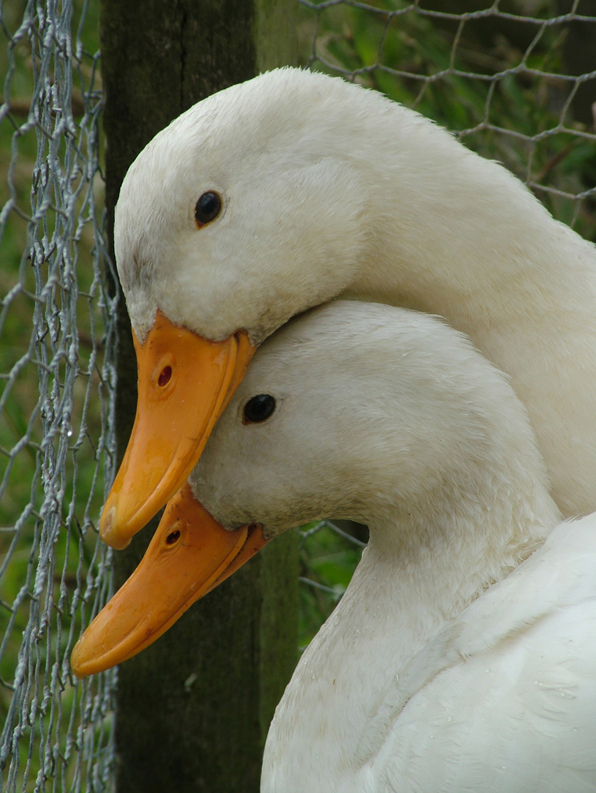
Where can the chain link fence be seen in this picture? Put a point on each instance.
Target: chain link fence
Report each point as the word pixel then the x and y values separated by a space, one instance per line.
pixel 57 337
pixel 515 80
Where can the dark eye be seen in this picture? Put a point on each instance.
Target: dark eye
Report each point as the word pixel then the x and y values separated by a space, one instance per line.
pixel 258 408
pixel 207 209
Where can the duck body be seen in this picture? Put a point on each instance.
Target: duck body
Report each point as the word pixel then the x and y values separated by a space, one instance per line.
pixel 330 190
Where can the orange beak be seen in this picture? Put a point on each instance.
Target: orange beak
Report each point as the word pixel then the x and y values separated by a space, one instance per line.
pixel 189 555
pixel 185 382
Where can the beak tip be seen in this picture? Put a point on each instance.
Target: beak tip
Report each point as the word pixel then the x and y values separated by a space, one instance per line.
pixel 87 658
pixel 77 661
pixel 108 530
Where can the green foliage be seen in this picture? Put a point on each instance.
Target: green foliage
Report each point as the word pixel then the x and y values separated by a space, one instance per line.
pixel 327 562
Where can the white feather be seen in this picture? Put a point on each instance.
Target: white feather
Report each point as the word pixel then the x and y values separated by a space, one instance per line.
pixel 462 655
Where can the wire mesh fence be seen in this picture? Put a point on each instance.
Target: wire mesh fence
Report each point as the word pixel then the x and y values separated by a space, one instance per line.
pixel 515 80
pixel 56 378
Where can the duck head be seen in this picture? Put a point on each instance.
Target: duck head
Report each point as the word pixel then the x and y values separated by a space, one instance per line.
pixel 239 215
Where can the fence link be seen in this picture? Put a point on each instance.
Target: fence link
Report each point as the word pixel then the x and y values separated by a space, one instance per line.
pixel 57 335
pixel 515 80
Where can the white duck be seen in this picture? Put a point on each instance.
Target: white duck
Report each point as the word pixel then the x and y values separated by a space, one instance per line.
pixel 461 658
pixel 294 188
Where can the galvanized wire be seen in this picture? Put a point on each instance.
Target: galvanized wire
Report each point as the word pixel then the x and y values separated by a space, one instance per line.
pixel 57 346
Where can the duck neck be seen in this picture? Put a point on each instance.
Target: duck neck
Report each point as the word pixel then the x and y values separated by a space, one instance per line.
pixel 432 554
pixel 427 566
pixel 417 574
pixel 455 234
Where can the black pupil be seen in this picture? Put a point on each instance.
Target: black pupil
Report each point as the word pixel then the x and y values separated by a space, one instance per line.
pixel 259 408
pixel 208 207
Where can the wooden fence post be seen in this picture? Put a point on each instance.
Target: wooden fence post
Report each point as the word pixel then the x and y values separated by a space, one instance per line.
pixel 194 708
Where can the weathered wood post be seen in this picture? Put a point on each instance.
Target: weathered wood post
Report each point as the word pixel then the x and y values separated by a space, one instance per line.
pixel 193 709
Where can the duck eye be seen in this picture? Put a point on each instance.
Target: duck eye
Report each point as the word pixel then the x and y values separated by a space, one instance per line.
pixel 207 209
pixel 258 408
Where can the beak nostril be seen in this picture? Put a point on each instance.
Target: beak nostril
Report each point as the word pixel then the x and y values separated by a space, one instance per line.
pixel 165 376
pixel 173 537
